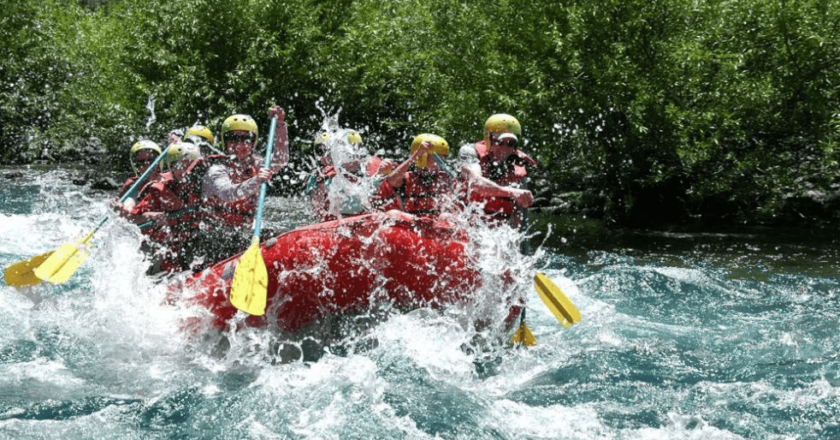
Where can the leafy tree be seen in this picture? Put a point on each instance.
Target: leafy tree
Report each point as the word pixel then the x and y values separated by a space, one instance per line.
pixel 658 111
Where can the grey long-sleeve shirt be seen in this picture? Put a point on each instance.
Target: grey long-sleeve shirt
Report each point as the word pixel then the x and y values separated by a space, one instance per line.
pixel 218 182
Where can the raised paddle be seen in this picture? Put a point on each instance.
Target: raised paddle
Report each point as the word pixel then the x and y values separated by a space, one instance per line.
pixel 249 288
pixel 58 266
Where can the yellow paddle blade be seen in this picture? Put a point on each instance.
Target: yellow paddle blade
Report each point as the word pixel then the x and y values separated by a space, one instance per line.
pixel 64 261
pixel 523 336
pixel 562 308
pixel 22 273
pixel 250 281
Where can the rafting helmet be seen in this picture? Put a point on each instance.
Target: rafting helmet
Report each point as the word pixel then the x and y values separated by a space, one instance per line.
pixel 181 151
pixel 321 140
pixel 500 123
pixel 200 131
pixel 139 146
pixel 354 137
pixel 240 122
pixel 439 146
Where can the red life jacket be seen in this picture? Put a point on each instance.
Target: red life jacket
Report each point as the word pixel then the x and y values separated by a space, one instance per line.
pixel 238 214
pixel 166 242
pixel 158 196
pixel 386 197
pixel 512 172
pixel 129 182
pixel 188 190
pixel 372 165
pixel 421 192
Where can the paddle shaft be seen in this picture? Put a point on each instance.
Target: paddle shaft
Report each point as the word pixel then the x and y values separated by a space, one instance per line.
pixel 249 286
pixel 443 165
pixel 261 200
pixel 134 189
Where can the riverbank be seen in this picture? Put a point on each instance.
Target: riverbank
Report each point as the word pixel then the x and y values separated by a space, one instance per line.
pixel 748 252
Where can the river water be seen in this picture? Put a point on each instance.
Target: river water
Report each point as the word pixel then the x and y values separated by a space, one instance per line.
pixel 683 337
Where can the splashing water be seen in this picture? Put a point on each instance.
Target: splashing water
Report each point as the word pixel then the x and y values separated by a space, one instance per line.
pixel 350 191
pixel 150 105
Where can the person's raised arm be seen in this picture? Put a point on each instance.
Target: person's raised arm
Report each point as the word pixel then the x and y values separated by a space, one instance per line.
pixel 280 154
pixel 397 176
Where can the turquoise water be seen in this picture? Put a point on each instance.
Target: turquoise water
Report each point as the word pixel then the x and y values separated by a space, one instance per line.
pixel 728 337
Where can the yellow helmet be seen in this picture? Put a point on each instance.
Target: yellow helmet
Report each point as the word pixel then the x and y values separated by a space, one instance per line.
pixel 144 145
pixel 501 123
pixel 181 151
pixel 354 137
pixel 200 131
pixel 240 122
pixel 439 146
pixel 321 140
pixel 137 147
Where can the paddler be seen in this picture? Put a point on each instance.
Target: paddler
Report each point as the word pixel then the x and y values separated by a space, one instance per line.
pixel 164 219
pixel 230 186
pixel 497 175
pixel 140 156
pixel 497 178
pixel 354 171
pixel 419 185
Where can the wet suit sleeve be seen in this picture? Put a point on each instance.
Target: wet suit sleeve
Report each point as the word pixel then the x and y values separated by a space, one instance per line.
pixel 217 183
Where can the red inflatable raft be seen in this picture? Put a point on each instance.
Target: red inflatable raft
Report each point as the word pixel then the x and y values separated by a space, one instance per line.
pixel 348 265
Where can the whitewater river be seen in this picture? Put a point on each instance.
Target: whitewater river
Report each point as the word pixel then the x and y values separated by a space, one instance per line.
pixel 682 337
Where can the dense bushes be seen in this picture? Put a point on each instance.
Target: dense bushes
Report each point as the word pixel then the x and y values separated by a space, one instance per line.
pixel 660 110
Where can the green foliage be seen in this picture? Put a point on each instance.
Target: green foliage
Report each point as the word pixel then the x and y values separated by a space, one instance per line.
pixel 32 74
pixel 666 110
